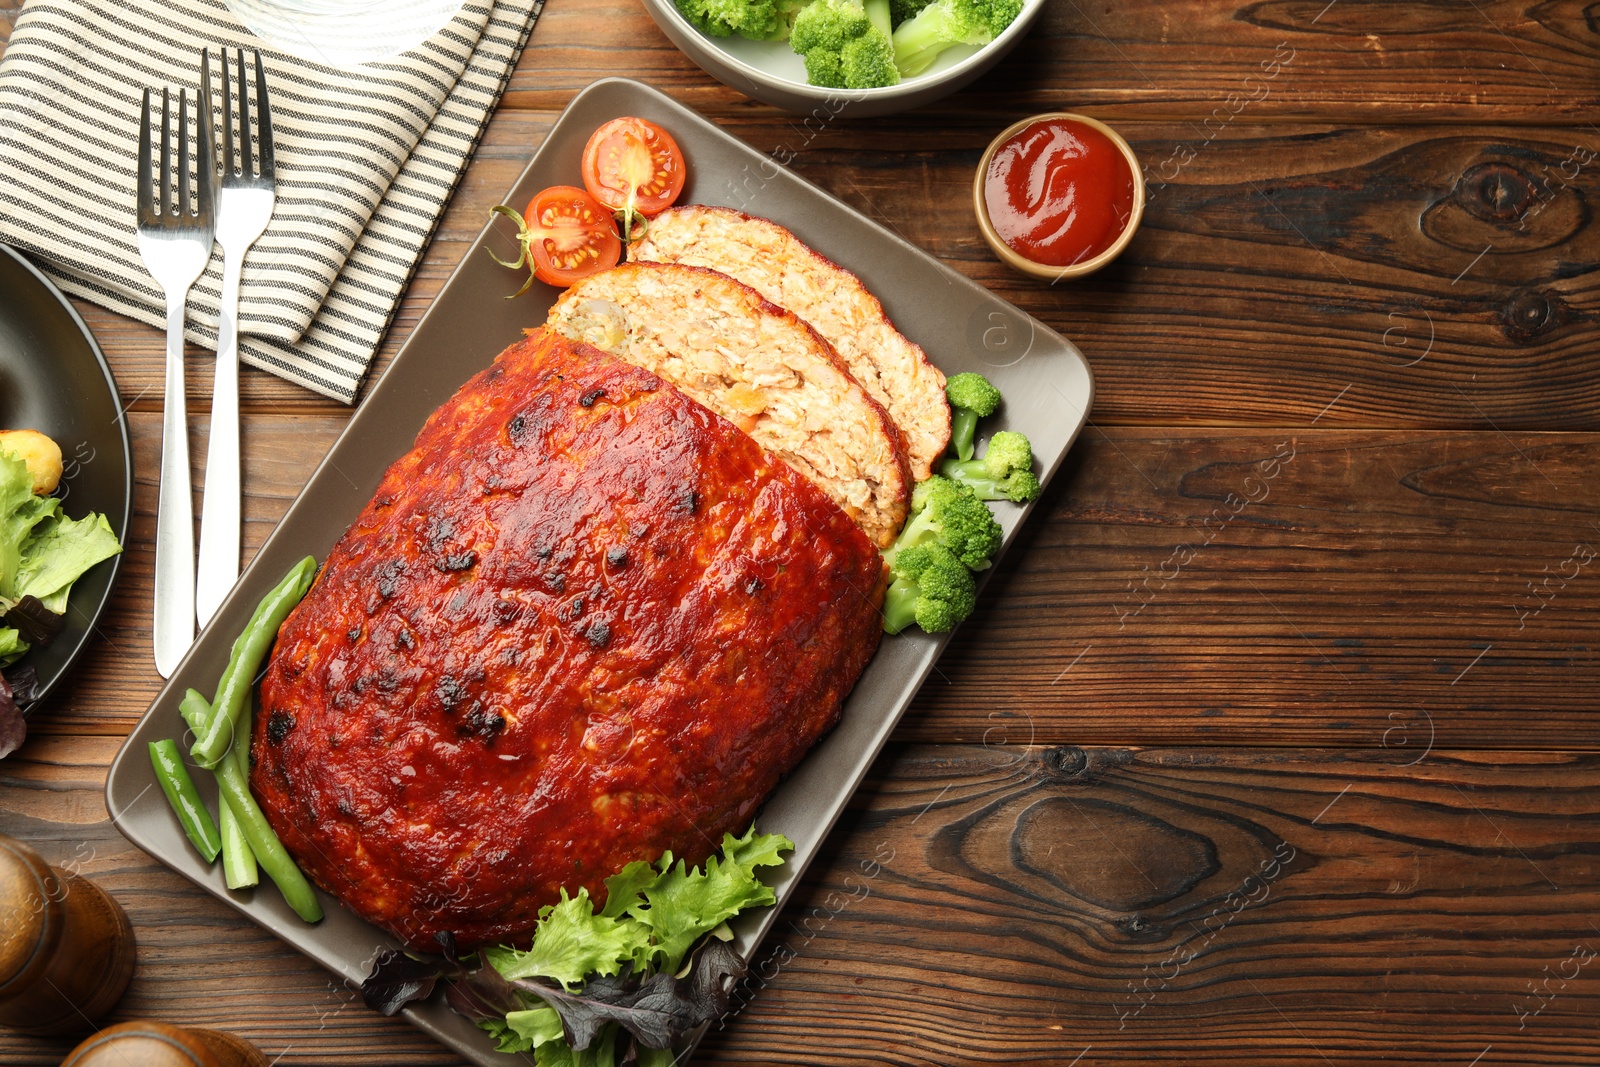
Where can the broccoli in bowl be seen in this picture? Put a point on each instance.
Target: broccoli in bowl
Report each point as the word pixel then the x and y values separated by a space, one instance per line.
pixel 857 44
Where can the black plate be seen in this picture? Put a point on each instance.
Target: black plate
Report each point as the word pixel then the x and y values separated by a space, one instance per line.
pixel 54 379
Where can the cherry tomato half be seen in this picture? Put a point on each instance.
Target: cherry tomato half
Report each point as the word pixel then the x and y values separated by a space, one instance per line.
pixel 566 235
pixel 633 165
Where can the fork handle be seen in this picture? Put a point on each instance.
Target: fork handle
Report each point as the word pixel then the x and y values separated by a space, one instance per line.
pixel 174 618
pixel 219 510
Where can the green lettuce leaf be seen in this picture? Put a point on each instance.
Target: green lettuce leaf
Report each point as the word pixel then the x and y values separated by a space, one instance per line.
pixel 20 512
pixel 12 646
pixel 686 902
pixel 623 889
pixel 509 1037
pixel 524 1031
pixel 59 552
pixel 602 1053
pixel 572 943
pixel 57 601
pixel 755 850
pixel 505 1039
pixel 536 1026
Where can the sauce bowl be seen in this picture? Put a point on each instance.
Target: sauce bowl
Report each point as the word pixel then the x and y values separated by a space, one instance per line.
pixel 1031 267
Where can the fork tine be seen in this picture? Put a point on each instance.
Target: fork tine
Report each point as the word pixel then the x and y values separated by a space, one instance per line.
pixel 246 158
pixel 183 153
pixel 205 93
pixel 146 183
pixel 166 148
pixel 205 136
pixel 228 134
pixel 263 121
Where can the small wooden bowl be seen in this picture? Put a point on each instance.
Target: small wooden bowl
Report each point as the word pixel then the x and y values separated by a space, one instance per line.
pixel 152 1044
pixel 1046 270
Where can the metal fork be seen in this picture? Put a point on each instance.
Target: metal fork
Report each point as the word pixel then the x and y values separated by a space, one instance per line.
pixel 244 206
pixel 175 242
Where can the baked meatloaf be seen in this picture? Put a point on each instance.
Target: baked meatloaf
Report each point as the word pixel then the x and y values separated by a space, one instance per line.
pixel 585 620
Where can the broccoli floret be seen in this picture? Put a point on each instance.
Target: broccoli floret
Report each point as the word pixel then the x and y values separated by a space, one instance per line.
pixel 950 514
pixel 843 44
pixel 759 20
pixel 951 533
pixel 971 398
pixel 943 23
pixel 1004 473
pixel 931 588
pixel 868 61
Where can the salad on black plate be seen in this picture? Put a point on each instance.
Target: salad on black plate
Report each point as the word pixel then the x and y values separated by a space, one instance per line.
pixel 43 552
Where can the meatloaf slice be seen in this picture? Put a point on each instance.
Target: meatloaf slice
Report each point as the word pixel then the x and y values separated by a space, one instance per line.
pixel 583 621
pixel 782 268
pixel 756 365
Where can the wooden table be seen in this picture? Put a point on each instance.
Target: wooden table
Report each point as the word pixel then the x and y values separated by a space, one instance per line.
pixel 1226 768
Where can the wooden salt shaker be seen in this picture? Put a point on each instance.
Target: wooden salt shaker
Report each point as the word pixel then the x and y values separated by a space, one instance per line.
pixel 152 1044
pixel 66 948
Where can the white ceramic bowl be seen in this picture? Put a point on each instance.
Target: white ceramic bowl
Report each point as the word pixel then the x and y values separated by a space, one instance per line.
pixel 771 72
pixel 344 33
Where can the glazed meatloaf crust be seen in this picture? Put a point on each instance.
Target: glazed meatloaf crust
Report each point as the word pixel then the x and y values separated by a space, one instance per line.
pixel 757 365
pixel 585 620
pixel 775 263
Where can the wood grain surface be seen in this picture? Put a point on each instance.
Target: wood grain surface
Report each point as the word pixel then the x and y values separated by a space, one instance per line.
pixel 1009 903
pixel 1272 740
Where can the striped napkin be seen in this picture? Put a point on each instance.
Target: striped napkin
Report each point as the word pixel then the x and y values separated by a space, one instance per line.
pixel 366 162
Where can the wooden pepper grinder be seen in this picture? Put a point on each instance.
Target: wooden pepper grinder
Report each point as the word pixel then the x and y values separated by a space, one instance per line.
pixel 66 948
pixel 150 1044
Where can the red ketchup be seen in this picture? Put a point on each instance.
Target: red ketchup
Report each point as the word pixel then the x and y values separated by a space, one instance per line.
pixel 1059 192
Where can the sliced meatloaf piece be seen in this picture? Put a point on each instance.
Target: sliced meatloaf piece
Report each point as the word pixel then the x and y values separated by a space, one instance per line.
pixel 782 268
pixel 583 621
pixel 756 365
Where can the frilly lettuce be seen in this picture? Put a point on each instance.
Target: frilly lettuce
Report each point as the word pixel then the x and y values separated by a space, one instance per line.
pixel 624 984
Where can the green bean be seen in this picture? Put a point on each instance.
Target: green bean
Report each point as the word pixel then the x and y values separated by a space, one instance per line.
pixel 238 862
pixel 249 649
pixel 195 709
pixel 269 851
pixel 185 800
pixel 239 868
pixel 234 784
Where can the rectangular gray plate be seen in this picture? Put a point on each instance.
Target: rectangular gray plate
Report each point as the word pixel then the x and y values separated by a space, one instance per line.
pixel 964 327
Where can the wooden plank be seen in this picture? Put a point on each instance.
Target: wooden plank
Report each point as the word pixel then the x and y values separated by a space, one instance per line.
pixel 1350 61
pixel 1262 285
pixel 1378 589
pixel 1182 907
pixel 1019 905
